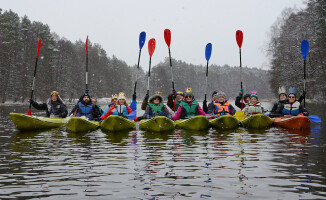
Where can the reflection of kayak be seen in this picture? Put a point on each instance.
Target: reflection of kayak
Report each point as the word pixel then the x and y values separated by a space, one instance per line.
pixel 297 122
pixel 225 122
pixel 195 123
pixel 28 123
pixel 257 121
pixel 81 124
pixel 117 123
pixel 157 124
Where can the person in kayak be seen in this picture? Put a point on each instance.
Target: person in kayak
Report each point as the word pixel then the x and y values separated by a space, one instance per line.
pixel 221 106
pixel 84 107
pixel 188 107
pixel 121 108
pixel 155 107
pixel 292 106
pixel 174 100
pixel 96 107
pixel 145 100
pixel 114 100
pixel 246 99
pixel 54 106
pixel 282 98
pixel 254 106
pixel 210 107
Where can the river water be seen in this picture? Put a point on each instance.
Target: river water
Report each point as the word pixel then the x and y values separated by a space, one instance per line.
pixel 238 164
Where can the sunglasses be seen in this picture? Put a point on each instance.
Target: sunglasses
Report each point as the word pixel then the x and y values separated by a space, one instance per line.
pixel 291 97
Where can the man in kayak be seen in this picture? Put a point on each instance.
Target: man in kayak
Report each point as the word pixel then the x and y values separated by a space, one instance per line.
pixel 155 107
pixel 174 100
pixel 246 99
pixel 277 108
pixel 54 106
pixel 188 107
pixel 210 107
pixel 254 107
pixel 84 107
pixel 221 106
pixel 292 106
pixel 97 107
pixel 121 108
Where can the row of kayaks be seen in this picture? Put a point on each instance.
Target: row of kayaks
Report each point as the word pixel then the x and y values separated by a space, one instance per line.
pixel 157 124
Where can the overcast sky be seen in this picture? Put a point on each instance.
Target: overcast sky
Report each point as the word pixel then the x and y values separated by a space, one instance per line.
pixel 116 26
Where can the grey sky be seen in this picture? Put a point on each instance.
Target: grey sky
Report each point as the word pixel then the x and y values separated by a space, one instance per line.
pixel 116 26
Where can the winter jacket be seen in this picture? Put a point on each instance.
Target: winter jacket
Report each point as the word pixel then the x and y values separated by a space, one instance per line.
pixel 278 107
pixel 114 110
pixel 172 103
pixel 238 102
pixel 183 113
pixel 57 109
pixel 253 109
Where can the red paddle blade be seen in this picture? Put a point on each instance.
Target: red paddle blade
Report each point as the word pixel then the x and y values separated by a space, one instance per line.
pixel 167 37
pixel 239 37
pixel 151 46
pixel 29 112
pixel 87 45
pixel 39 47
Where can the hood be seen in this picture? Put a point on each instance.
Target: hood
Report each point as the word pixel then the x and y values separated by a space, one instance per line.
pixel 154 96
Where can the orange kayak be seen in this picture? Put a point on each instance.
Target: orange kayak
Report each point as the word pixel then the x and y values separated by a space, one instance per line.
pixel 295 122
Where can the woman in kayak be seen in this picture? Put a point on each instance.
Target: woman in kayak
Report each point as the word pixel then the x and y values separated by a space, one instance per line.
pixel 246 99
pixel 54 106
pixel 188 107
pixel 293 106
pixel 277 108
pixel 145 100
pixel 221 106
pixel 114 100
pixel 174 100
pixel 121 108
pixel 155 107
pixel 254 107
pixel 84 107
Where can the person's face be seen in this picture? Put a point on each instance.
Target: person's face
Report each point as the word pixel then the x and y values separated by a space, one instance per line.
pixel 214 97
pixel 94 102
pixel 114 100
pixel 86 99
pixel 179 97
pixel 220 99
pixel 121 101
pixel 54 97
pixel 247 99
pixel 291 98
pixel 282 96
pixel 156 100
pixel 253 100
pixel 188 98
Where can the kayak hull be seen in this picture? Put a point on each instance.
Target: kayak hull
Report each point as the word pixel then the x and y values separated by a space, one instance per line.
pixel 297 122
pixel 257 121
pixel 80 124
pixel 115 123
pixel 225 122
pixel 28 123
pixel 157 124
pixel 195 123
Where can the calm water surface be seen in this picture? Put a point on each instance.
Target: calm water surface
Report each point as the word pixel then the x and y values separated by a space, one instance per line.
pixel 237 164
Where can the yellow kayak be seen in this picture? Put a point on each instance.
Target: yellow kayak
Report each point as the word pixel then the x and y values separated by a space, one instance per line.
pixel 157 124
pixel 195 123
pixel 81 124
pixel 117 123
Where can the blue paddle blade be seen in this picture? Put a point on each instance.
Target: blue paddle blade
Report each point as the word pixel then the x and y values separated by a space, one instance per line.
pixel 314 118
pixel 304 49
pixel 142 38
pixel 132 115
pixel 208 51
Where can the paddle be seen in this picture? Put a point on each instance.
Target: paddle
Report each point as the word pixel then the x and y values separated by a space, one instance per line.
pixel 314 118
pixel 304 52
pixel 239 38
pixel 38 52
pixel 132 115
pixel 239 115
pixel 208 53
pixel 151 49
pixel 86 91
pixel 142 38
pixel 167 38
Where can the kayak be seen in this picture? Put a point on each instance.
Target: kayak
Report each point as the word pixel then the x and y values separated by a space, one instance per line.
pixel 295 122
pixel 157 124
pixel 225 122
pixel 81 124
pixel 195 123
pixel 117 123
pixel 257 121
pixel 28 123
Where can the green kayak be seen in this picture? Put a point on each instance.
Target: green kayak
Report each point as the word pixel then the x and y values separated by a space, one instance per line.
pixel 257 121
pixel 29 123
pixel 81 124
pixel 157 124
pixel 195 123
pixel 116 123
pixel 225 122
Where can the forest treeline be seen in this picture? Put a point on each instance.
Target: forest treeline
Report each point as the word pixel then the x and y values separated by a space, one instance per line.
pixel 61 67
pixel 284 49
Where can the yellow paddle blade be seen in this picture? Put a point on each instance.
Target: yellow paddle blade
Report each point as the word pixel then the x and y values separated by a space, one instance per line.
pixel 239 115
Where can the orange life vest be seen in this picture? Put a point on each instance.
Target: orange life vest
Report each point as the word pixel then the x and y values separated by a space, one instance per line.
pixel 222 109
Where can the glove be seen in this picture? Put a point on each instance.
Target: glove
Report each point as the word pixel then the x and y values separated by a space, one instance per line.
pixel 305 113
pixel 31 101
pixel 161 113
pixel 173 93
pixel 134 97
pixel 146 97
pixel 240 93
pixel 300 114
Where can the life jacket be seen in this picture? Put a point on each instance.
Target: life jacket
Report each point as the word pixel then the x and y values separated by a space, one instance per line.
pixel 190 108
pixel 120 110
pixel 222 109
pixel 156 108
pixel 291 109
pixel 84 109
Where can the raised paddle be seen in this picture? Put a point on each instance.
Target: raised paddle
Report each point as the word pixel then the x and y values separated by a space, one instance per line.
pixel 314 118
pixel 86 90
pixel 208 53
pixel 151 49
pixel 239 38
pixel 167 38
pixel 142 38
pixel 38 52
pixel 304 52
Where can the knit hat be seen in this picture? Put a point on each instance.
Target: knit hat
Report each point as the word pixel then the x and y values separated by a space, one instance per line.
pixel 221 94
pixel 246 95
pixel 281 90
pixel 292 90
pixel 254 94
pixel 155 96
pixel 122 95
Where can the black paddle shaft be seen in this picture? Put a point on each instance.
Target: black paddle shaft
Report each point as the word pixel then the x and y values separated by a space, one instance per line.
pixel 30 104
pixel 171 69
pixel 240 67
